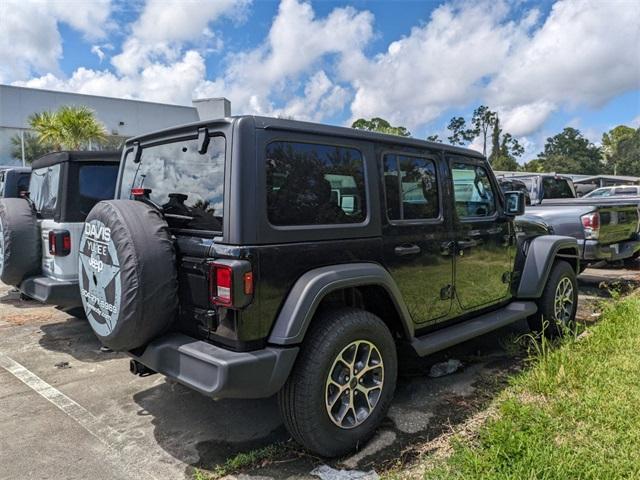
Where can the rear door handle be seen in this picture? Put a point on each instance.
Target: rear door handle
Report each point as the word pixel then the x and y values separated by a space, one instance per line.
pixel 403 250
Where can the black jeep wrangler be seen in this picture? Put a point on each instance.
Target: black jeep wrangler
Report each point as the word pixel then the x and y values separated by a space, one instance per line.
pixel 251 256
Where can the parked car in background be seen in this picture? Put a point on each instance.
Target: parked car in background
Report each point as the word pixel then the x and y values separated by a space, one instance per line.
pixel 543 186
pixel 619 191
pixel 249 256
pixel 605 230
pixel 514 185
pixel 40 233
pixel 14 181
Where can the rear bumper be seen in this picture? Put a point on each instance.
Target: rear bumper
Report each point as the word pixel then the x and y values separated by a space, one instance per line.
pixel 218 372
pixel 51 291
pixel 594 251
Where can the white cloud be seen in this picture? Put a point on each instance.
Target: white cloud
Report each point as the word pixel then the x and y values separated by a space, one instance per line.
pixel 296 43
pixel 585 53
pixel 439 65
pixel 30 41
pixel 312 67
pixel 165 26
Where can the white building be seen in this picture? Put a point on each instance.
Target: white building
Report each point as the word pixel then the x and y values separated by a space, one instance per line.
pixel 122 118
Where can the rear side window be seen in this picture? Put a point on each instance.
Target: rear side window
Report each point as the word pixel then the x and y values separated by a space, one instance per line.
pixel 43 188
pixel 314 184
pixel 626 191
pixel 95 183
pixel 411 187
pixel 474 196
pixel 556 188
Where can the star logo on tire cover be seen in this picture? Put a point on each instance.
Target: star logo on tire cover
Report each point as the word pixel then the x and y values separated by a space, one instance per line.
pixel 98 282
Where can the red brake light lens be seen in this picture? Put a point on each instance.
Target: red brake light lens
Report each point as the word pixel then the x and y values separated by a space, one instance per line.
pixel 221 285
pixel 591 225
pixel 59 243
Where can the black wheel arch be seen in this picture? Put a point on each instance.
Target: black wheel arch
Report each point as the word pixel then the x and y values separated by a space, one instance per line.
pixel 541 254
pixel 314 288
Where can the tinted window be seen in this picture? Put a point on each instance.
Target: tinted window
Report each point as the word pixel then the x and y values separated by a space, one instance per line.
pixel 23 183
pixel 98 182
pixel 556 188
pixel 411 187
pixel 43 187
pixel 95 183
pixel 312 184
pixel 473 193
pixel 188 185
pixel 601 192
pixel 626 191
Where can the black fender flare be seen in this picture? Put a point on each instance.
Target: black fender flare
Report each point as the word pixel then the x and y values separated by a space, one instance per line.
pixel 309 290
pixel 541 253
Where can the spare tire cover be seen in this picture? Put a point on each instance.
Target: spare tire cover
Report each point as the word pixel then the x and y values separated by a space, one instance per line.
pixel 127 273
pixel 19 241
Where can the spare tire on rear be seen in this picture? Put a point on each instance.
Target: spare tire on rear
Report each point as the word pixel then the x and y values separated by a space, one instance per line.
pixel 19 241
pixel 127 273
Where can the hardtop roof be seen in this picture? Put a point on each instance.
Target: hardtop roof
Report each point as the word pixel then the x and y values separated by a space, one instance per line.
pixel 306 127
pixel 53 158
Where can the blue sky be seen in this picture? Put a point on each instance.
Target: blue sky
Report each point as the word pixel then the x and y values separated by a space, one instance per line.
pixel 542 65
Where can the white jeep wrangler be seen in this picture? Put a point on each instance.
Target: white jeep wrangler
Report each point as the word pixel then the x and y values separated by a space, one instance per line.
pixel 40 233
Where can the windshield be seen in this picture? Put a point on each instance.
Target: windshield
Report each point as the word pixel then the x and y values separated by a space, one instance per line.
pixel 553 187
pixel 43 188
pixel 600 192
pixel 189 186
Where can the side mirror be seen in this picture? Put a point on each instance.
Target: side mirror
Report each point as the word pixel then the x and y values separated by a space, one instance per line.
pixel 514 204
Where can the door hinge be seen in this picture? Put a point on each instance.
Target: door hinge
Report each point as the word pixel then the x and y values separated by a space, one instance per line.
pixel 446 292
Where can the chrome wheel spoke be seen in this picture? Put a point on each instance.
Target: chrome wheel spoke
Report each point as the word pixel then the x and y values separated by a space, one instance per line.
pixel 354 384
pixel 564 300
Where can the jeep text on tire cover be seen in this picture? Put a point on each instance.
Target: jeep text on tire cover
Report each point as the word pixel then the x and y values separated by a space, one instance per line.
pixel 99 278
pixel 295 262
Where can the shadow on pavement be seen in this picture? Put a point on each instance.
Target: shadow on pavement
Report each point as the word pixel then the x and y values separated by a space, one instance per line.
pixel 74 337
pixel 203 432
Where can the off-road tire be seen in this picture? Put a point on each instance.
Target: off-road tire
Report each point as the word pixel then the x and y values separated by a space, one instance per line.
pixel 302 399
pixel 20 244
pixel 546 320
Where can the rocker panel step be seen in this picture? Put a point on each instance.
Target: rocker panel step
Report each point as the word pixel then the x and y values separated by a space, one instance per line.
pixel 461 332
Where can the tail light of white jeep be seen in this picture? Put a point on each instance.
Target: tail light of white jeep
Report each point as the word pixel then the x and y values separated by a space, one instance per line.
pixel 591 225
pixel 59 243
pixel 230 283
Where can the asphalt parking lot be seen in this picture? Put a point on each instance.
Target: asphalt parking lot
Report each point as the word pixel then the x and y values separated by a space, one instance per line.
pixel 70 411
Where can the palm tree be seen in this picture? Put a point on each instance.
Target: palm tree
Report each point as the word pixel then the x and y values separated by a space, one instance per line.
pixel 69 128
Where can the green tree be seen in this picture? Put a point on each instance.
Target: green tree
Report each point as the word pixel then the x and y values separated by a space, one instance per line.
pixel 570 152
pixel 628 155
pixel 483 119
pixel 68 128
pixel 610 142
pixel 504 148
pixel 380 125
pixel 434 138
pixel 460 133
pixel 32 147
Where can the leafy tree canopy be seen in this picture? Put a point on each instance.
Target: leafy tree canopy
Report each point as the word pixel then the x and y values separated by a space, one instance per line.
pixel 32 147
pixel 610 146
pixel 570 152
pixel 628 155
pixel 380 125
pixel 69 128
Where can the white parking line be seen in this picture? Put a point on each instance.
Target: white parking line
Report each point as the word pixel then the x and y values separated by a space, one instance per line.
pixel 133 461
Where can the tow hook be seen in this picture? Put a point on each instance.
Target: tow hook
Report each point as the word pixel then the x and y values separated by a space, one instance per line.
pixel 136 368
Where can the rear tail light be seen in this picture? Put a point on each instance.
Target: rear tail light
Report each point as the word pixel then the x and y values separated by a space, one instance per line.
pixel 221 286
pixel 591 225
pixel 230 283
pixel 59 243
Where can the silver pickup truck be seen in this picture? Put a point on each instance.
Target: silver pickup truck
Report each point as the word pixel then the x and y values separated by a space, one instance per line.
pixel 605 229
